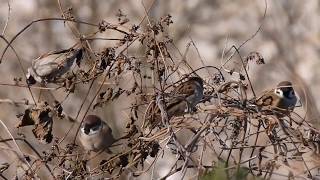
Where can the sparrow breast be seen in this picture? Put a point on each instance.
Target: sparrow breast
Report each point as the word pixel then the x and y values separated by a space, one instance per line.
pixel 95 134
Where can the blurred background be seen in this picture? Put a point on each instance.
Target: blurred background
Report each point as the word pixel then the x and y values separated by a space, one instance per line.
pixel 289 41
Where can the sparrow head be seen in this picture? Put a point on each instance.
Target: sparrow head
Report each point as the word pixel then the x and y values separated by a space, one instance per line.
pixel 91 124
pixel 196 79
pixel 30 79
pixel 285 89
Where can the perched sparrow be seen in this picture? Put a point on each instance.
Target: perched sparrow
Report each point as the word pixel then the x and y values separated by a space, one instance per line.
pixel 95 134
pixel 190 91
pixel 183 100
pixel 282 98
pixel 52 65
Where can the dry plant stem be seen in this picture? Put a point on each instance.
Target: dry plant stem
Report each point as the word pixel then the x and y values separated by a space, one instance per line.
pixel 183 60
pixel 304 162
pixel 153 164
pixel 109 160
pixel 242 162
pixel 245 70
pixel 73 29
pixel 222 56
pixel 242 143
pixel 7 20
pixel 171 169
pixel 2 176
pixel 157 43
pixel 192 143
pixel 200 160
pixel 179 169
pixel 15 143
pixel 16 103
pixel 104 39
pixel 16 151
pixel 20 65
pixel 78 113
pixel 32 148
pixel 40 20
pixel 26 86
pixel 260 26
pixel 247 40
pixel 199 55
pixel 99 88
pixel 250 38
pixel 189 146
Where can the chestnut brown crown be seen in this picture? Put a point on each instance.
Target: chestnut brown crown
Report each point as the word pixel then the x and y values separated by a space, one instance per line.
pixel 90 122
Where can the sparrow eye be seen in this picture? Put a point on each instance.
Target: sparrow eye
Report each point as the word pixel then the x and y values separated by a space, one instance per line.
pixel 95 128
pixel 91 130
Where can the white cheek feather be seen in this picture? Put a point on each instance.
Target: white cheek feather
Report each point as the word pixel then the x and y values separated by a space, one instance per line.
pixel 279 93
pixel 82 129
pixel 91 132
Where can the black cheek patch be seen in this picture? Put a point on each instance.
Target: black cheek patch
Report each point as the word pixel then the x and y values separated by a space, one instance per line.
pixel 31 80
pixel 86 130
pixel 288 93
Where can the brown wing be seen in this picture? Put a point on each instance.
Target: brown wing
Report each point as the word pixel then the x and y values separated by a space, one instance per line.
pixel 153 116
pixel 185 89
pixel 176 107
pixel 267 99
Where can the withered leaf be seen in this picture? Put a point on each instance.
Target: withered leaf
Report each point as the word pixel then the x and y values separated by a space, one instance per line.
pixel 103 98
pixel 124 160
pixel 79 55
pixel 43 127
pixel 4 166
pixel 41 117
pixel 242 77
pixel 58 108
pixel 117 94
pixel 124 21
pixel 27 119
pixel 99 100
pixel 103 64
pixel 109 94
pixel 155 147
pixel 69 83
pixel 132 131
pixel 255 56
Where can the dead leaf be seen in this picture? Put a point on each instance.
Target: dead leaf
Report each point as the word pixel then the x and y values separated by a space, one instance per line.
pixel 43 127
pixel 26 120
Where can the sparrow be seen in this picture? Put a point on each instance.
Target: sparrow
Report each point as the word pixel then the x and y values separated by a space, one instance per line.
pixel 190 91
pixel 52 65
pixel 281 98
pixel 95 134
pixel 183 100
